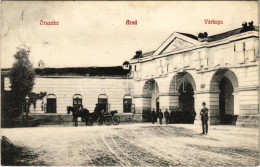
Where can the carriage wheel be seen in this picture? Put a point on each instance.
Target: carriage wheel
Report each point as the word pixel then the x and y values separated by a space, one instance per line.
pixel 100 121
pixel 108 121
pixel 116 120
pixel 90 121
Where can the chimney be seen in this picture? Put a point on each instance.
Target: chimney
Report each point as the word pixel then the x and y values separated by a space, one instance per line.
pixel 202 36
pixel 245 28
pixel 139 53
pixel 251 26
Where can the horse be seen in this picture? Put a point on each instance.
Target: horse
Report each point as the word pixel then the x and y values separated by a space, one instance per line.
pixel 77 112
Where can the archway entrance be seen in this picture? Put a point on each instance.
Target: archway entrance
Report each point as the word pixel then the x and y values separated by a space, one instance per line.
pixel 226 101
pixel 182 104
pixel 151 99
pixel 186 99
pixel 222 109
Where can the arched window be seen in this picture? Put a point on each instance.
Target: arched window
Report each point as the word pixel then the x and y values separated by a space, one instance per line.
pixel 77 100
pixel 103 102
pixel 51 103
pixel 127 104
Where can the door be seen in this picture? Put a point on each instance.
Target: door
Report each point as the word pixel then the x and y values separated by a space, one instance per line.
pixel 51 105
pixel 102 103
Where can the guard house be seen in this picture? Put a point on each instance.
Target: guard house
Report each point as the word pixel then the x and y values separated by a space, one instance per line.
pixel 58 88
pixel 186 70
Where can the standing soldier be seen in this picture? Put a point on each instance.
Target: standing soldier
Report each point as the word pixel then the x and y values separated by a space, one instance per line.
pixel 160 115
pixel 153 115
pixel 167 116
pixel 204 118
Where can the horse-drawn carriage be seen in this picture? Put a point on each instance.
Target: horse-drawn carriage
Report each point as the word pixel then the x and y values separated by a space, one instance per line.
pixel 100 115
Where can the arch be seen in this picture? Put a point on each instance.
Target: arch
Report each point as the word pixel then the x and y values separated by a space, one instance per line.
pixel 77 96
pixel 51 96
pixel 181 100
pixel 223 84
pixel 150 94
pixel 178 79
pixel 127 96
pixel 150 86
pixel 219 74
pixel 102 96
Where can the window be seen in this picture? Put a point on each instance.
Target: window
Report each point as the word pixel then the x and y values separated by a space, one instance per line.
pixel 77 100
pixel 127 104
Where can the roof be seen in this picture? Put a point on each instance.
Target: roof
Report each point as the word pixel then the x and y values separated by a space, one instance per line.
pixel 126 63
pixel 209 38
pixel 189 35
pixel 145 54
pixel 79 71
pixel 227 34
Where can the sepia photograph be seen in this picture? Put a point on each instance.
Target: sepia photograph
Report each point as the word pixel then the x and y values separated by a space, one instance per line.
pixel 129 83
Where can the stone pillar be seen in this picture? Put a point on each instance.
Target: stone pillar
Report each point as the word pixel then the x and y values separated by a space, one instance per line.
pixel 173 100
pixel 142 107
pixel 164 101
pixel 248 106
pixel 236 103
pixel 168 101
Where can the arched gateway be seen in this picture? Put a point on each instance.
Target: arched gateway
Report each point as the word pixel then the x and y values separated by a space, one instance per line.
pixel 151 99
pixel 224 83
pixel 181 102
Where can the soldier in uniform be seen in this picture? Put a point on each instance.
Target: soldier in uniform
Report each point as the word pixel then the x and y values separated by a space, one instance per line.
pixel 153 115
pixel 204 118
pixel 160 115
pixel 167 116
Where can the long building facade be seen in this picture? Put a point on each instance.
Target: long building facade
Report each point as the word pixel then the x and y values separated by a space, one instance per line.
pixel 59 88
pixel 221 70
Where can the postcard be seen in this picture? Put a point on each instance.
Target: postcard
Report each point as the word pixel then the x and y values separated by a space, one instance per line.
pixel 129 83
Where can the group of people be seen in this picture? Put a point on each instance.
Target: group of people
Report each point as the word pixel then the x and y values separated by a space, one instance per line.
pixel 160 115
pixel 166 114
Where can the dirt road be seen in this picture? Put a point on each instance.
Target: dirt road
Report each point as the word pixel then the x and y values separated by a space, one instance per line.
pixel 136 145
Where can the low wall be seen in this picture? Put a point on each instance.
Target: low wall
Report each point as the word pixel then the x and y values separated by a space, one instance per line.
pixel 238 120
pixel 55 119
pixel 130 118
pixel 248 121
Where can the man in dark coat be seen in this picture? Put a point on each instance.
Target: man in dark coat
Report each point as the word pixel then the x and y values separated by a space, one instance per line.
pixel 167 116
pixel 153 115
pixel 160 115
pixel 204 118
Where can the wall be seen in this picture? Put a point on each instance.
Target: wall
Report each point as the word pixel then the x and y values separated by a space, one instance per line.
pixel 89 88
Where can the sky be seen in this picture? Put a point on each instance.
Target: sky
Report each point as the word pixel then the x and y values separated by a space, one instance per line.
pixel 96 34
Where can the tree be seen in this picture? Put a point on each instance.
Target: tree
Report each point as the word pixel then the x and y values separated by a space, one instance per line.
pixel 22 77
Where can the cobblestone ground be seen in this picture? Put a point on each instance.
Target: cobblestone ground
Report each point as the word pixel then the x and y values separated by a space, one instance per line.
pixel 136 145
